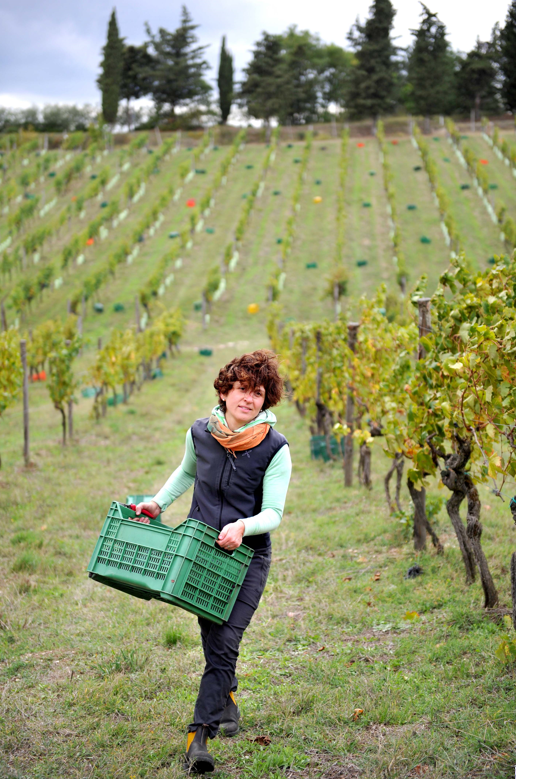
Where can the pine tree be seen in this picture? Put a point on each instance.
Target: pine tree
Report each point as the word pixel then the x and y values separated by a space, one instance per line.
pixel 225 81
pixel 373 77
pixel 431 67
pixel 178 66
pixel 109 80
pixel 476 81
pixel 136 69
pixel 299 75
pixel 261 88
pixel 508 58
pixel 335 75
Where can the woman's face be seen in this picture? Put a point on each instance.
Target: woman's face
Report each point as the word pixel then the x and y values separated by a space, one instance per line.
pixel 244 404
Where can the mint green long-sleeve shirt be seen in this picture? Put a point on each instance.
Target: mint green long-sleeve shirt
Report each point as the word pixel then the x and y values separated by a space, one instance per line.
pixel 275 483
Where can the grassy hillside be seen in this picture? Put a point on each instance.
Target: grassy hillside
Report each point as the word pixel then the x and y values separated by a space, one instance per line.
pixel 350 669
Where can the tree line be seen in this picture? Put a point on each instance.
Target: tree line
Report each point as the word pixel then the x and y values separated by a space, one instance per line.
pixel 296 78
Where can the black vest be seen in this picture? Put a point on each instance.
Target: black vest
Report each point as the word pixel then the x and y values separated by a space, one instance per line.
pixel 228 488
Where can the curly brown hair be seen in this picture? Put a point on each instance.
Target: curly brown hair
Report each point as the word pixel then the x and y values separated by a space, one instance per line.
pixel 259 368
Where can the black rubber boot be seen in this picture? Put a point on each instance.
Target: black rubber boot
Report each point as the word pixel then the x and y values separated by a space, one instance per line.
pixel 197 759
pixel 229 724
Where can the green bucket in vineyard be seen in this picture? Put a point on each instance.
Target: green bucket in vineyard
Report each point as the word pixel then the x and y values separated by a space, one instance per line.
pixel 319 450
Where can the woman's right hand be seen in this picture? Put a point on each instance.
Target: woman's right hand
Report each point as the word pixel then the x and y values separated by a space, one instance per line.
pixel 152 508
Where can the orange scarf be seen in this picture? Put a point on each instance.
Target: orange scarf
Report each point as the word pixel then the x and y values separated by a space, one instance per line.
pixel 237 442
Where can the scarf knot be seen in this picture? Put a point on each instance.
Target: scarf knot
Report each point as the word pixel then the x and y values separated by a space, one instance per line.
pixel 237 442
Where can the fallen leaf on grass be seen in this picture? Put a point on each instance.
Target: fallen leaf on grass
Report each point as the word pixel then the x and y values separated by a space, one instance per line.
pixel 347 578
pixel 357 713
pixel 294 614
pixel 361 559
pixel 43 527
pixel 331 554
pixel 263 741
pixel 351 662
pixel 421 769
pixel 412 615
pixel 377 576
pixel 321 648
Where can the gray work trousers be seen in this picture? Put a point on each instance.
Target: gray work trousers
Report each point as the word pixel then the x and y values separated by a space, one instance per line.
pixel 221 648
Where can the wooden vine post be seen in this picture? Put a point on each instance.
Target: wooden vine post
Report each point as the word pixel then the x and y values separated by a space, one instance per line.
pixel 425 324
pixel 301 408
pixel 320 413
pixel 418 497
pixel 336 298
pixel 137 315
pixel 26 423
pixel 204 310
pixel 353 328
pixel 323 416
pixel 513 507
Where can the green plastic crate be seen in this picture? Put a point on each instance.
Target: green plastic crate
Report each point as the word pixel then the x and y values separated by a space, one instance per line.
pixel 181 565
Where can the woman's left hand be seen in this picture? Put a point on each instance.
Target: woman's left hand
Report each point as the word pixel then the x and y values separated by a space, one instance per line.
pixel 231 536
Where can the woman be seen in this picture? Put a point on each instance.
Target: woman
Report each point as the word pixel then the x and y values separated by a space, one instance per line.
pixel 241 467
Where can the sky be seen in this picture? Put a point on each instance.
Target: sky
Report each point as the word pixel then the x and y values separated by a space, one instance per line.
pixel 50 51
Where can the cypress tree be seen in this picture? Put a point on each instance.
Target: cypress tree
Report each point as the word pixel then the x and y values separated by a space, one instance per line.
pixel 431 67
pixel 225 81
pixel 373 76
pixel 508 58
pixel 110 78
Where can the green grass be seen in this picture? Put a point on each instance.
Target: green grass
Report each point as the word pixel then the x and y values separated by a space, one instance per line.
pixel 367 228
pixel 98 683
pixel 498 172
pixel 480 237
pixel 413 188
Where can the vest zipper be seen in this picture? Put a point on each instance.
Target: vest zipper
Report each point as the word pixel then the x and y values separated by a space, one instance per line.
pixel 221 491
pixel 231 459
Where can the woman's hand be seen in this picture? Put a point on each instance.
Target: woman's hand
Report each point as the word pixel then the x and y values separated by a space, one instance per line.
pixel 231 536
pixel 152 508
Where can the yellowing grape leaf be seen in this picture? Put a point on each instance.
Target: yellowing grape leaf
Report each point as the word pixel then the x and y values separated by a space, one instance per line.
pixel 411 615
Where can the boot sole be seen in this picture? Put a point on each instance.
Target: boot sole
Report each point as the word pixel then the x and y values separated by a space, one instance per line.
pixel 229 733
pixel 199 765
